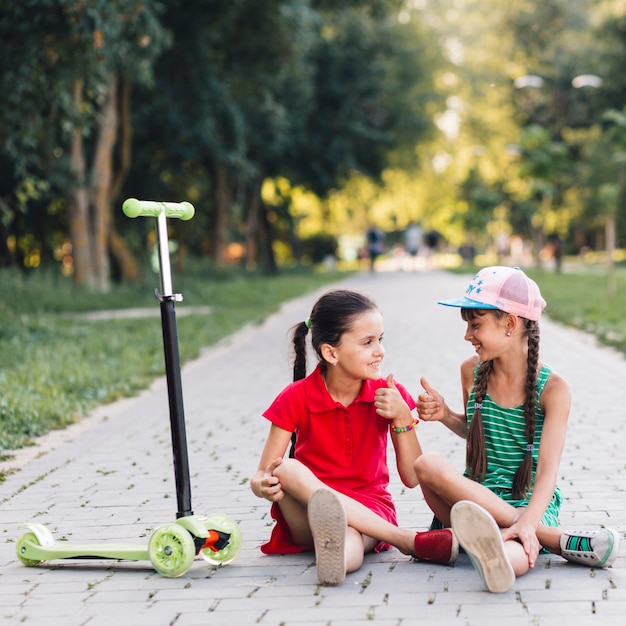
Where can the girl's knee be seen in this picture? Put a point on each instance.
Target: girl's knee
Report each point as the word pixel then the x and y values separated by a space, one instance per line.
pixel 288 471
pixel 428 467
pixel 296 478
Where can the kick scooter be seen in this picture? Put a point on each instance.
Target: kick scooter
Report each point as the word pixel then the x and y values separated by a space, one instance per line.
pixel 172 547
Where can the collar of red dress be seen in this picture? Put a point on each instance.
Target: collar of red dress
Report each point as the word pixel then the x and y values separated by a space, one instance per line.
pixel 320 400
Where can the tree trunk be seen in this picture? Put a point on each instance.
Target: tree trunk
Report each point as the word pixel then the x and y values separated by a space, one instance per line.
pixel 221 196
pixel 125 138
pixel 125 262
pixel 610 255
pixel 252 227
pixel 101 186
pixel 268 259
pixel 80 234
pixel 90 205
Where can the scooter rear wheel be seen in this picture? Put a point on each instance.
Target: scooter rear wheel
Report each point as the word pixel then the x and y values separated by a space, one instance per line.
pixel 20 548
pixel 223 523
pixel 171 550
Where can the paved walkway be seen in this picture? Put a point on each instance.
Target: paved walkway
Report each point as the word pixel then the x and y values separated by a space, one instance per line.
pixel 110 479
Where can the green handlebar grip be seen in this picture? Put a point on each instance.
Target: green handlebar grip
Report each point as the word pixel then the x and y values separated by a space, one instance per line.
pixel 149 208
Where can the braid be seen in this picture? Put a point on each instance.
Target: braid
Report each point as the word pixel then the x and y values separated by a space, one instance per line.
pixel 522 478
pixel 476 455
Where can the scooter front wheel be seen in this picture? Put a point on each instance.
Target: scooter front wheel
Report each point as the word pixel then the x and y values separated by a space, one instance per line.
pixel 171 550
pixel 21 548
pixel 225 524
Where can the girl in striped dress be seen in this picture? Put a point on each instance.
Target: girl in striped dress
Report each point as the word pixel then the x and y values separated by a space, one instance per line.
pixel 505 507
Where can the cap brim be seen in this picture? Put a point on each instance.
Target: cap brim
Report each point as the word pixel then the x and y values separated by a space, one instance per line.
pixel 466 303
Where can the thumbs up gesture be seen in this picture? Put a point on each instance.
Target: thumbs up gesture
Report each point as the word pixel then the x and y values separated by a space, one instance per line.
pixel 389 402
pixel 430 403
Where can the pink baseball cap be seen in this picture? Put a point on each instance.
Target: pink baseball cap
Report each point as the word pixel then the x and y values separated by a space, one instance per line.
pixel 505 288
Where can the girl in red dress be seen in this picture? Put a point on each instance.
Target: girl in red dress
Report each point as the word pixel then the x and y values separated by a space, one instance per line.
pixel 332 494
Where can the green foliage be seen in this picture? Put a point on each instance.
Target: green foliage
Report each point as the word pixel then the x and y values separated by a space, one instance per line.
pixel 47 50
pixel 56 363
pixel 318 247
pixel 373 95
pixel 580 300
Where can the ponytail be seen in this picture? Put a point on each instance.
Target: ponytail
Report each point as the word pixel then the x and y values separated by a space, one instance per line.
pixel 299 333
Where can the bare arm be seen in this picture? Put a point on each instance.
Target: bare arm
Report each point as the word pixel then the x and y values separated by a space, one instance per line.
pixel 391 405
pixel 431 405
pixel 264 484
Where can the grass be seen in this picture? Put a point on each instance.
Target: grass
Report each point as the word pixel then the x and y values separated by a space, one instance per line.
pixel 580 300
pixel 56 365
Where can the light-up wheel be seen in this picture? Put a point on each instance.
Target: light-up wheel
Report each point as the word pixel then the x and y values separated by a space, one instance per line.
pixel 21 548
pixel 227 554
pixel 171 550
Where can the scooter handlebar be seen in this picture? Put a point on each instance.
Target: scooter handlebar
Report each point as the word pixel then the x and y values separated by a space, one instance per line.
pixel 149 208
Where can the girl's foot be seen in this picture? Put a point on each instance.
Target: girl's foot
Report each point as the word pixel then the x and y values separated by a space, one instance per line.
pixel 595 548
pixel 479 535
pixel 329 526
pixel 436 546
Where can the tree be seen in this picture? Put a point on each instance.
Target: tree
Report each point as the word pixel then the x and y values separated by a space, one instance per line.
pixel 65 99
pixel 306 90
pixel 222 106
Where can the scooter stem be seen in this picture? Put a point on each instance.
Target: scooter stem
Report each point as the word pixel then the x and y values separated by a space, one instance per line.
pixel 172 372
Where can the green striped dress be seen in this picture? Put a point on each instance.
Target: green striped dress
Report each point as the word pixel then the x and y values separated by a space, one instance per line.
pixel 505 441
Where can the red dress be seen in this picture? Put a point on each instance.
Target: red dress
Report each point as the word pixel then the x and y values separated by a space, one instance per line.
pixel 345 447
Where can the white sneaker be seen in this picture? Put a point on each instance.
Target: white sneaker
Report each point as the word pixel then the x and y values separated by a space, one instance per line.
pixel 329 527
pixel 595 548
pixel 480 537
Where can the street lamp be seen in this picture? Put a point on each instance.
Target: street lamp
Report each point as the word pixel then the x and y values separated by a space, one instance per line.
pixel 557 102
pixel 530 80
pixel 595 82
pixel 587 80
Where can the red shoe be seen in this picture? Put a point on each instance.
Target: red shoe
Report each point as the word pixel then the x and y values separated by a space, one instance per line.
pixel 436 546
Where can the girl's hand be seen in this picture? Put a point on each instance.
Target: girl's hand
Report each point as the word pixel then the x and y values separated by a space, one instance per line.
pixel 390 404
pixel 527 535
pixel 431 406
pixel 266 485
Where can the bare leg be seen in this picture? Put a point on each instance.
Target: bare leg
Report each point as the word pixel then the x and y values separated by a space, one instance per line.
pixel 517 557
pixel 299 483
pixel 443 486
pixel 295 514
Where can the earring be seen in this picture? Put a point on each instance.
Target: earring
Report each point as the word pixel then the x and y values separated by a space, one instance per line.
pixel 508 334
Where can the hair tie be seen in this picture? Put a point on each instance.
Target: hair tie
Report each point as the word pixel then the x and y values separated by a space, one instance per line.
pixel 478 405
pixel 307 322
pixel 530 447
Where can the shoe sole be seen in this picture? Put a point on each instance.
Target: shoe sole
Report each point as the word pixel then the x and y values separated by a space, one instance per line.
pixel 479 535
pixel 329 526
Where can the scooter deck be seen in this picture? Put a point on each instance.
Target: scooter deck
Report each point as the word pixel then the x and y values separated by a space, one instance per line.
pixel 118 551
